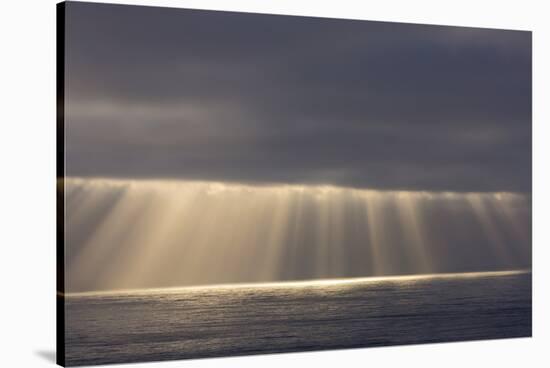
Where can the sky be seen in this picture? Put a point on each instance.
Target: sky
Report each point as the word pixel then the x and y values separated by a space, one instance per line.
pixel 141 234
pixel 249 98
pixel 206 147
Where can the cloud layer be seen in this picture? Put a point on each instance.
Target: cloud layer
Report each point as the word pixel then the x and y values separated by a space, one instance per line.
pixel 165 93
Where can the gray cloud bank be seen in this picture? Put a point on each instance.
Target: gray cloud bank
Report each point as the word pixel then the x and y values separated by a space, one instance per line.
pixel 172 93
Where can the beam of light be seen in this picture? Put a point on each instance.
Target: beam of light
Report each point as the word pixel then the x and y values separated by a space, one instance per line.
pixel 124 234
pixel 414 229
pixel 516 213
pixel 481 206
pixel 277 229
pixel 376 232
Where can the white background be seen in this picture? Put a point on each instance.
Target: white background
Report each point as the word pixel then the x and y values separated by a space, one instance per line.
pixel 27 173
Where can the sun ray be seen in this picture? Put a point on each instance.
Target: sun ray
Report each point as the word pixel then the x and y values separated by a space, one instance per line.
pixel 148 233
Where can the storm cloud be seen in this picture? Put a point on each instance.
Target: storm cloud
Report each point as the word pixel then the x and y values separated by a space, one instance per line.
pixel 202 95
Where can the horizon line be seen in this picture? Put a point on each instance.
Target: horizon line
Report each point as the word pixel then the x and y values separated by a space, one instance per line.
pixel 297 283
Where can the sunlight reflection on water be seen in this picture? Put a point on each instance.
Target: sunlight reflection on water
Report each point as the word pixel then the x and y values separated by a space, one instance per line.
pixel 215 321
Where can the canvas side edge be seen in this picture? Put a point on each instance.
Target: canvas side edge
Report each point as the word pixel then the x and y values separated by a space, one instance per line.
pixel 60 184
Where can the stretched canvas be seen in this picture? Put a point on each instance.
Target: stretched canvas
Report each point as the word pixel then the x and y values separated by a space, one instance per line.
pixel 235 183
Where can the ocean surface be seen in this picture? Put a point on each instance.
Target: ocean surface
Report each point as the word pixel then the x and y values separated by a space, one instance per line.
pixel 269 318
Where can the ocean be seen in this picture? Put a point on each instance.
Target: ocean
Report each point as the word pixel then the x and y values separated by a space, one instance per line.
pixel 198 322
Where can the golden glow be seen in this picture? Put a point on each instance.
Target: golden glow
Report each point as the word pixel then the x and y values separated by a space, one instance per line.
pixel 412 224
pixel 481 210
pixel 306 283
pixel 126 234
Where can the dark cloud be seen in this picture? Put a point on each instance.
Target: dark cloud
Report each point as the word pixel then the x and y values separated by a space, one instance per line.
pixel 157 92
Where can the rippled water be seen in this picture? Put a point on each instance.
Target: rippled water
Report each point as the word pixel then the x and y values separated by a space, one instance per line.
pixel 252 319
